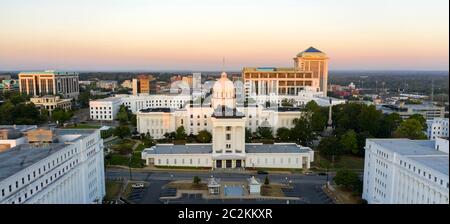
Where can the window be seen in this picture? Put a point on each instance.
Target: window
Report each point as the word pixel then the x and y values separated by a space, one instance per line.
pixel 228 128
pixel 228 137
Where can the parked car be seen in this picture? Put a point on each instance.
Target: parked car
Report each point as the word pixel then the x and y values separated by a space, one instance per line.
pixel 322 174
pixel 138 185
pixel 308 173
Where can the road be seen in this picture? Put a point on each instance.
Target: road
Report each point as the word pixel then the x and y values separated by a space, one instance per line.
pixel 304 187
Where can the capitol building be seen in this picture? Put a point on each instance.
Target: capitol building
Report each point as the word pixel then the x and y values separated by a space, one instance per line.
pixel 228 122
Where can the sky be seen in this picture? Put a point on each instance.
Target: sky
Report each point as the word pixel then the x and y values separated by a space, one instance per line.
pixel 152 35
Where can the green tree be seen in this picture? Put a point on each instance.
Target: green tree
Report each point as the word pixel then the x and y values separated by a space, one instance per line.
pixel 122 131
pixel 248 135
pixel 369 119
pixel 284 134
pixel 204 136
pixel 122 115
pixel 410 128
pixel 287 103
pixel 388 124
pixel 265 132
pixel 348 142
pixel 329 147
pixel 302 132
pixel 420 119
pixel 83 99
pixel 180 134
pixel 60 115
pixel 319 116
pixel 348 179
pixel 196 180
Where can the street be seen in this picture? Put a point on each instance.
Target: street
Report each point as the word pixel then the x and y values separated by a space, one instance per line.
pixel 307 188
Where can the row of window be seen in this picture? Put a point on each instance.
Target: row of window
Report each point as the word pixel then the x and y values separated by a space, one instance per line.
pixel 423 173
pixel 43 184
pixel 28 178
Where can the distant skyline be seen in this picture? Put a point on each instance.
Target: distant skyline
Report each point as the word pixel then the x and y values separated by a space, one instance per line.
pixel 157 35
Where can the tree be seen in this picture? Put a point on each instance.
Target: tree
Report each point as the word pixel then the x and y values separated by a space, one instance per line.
pixel 348 179
pixel 196 180
pixel 248 135
pixel 302 132
pixel 204 136
pixel 410 128
pixel 122 131
pixel 60 115
pixel 329 147
pixel 122 115
pixel 369 119
pixel 283 134
pixel 265 132
pixel 180 134
pixel 348 142
pixel 84 98
pixel 287 103
pixel 266 180
pixel 420 119
pixel 319 115
pixel 388 124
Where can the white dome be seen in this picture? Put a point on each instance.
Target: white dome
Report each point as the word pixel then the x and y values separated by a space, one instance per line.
pixel 223 92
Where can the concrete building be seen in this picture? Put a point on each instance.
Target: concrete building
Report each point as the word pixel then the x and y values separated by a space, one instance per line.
pixel 69 170
pixel 50 103
pixel 104 109
pixel 228 149
pixel 428 111
pixel 127 84
pixel 107 84
pixel 142 84
pixel 437 128
pixel 49 83
pixel 9 85
pixel 310 70
pixel 403 171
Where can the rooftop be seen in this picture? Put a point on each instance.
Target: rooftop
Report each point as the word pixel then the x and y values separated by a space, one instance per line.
pixel 23 156
pixel 421 151
pixel 207 148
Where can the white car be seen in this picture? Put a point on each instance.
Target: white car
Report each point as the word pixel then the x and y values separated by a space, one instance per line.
pixel 138 185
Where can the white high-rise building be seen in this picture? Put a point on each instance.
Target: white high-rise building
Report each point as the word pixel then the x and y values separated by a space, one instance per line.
pixel 437 128
pixel 403 171
pixel 70 170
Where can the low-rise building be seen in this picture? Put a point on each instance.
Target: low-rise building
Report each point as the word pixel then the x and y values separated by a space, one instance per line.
pixel 428 111
pixel 107 84
pixel 403 171
pixel 104 109
pixel 438 128
pixel 50 103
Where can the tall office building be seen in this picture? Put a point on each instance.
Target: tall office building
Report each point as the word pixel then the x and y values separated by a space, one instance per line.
pixel 49 83
pixel 142 84
pixel 310 71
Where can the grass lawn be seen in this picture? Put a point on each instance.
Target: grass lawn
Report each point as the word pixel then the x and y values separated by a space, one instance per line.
pixel 112 190
pixel 272 190
pixel 187 186
pixel 347 196
pixel 345 162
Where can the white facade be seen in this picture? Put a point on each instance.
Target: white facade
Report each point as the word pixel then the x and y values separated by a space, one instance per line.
pixel 228 149
pixel 104 109
pixel 403 171
pixel 437 128
pixel 68 172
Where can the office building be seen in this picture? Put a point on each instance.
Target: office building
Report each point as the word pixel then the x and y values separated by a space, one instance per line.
pixel 49 83
pixel 403 171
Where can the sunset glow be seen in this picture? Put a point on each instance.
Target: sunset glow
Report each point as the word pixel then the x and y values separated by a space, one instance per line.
pixel 180 34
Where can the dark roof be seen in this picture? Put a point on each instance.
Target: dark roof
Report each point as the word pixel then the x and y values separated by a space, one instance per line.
pixel 156 110
pixel 312 50
pixel 180 149
pixel 226 112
